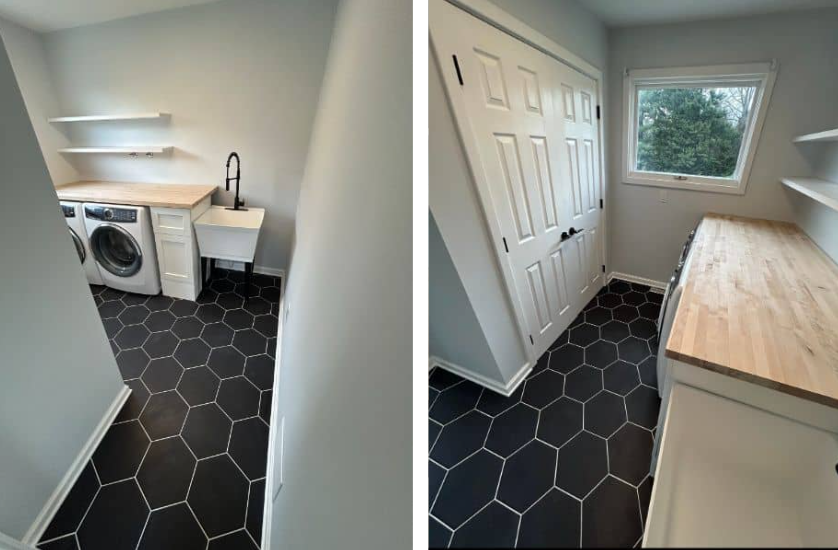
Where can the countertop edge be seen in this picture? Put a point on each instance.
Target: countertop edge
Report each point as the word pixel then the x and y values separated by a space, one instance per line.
pixel 788 389
pixel 81 196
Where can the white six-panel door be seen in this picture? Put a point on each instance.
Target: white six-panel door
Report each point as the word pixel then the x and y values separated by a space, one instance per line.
pixel 575 98
pixel 535 155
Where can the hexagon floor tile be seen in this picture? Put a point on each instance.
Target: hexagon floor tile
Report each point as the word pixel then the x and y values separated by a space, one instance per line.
pixel 174 463
pixel 564 460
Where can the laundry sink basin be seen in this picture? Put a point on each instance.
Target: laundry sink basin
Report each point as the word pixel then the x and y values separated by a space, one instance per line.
pixel 229 234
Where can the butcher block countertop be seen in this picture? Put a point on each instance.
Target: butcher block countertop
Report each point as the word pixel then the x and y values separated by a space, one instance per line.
pixel 760 303
pixel 166 195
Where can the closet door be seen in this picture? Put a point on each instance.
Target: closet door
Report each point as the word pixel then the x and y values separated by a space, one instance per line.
pixel 575 106
pixel 526 160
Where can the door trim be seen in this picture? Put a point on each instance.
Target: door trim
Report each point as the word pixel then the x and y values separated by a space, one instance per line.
pixel 489 13
pixel 496 17
pixel 276 421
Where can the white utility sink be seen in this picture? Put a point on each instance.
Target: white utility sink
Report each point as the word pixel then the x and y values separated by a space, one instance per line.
pixel 229 234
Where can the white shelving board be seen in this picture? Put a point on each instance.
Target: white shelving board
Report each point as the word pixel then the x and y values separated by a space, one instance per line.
pixel 826 135
pixel 156 149
pixel 97 118
pixel 825 192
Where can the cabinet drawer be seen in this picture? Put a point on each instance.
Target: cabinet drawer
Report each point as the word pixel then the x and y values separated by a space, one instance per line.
pixel 171 221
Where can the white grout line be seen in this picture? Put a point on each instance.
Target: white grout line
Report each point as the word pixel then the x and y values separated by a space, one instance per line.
pixel 145 431
pixel 147 518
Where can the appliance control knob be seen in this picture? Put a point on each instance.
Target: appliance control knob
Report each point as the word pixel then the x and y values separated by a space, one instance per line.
pixel 108 214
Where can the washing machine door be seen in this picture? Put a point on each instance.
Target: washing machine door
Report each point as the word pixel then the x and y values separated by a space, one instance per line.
pixel 77 242
pixel 116 250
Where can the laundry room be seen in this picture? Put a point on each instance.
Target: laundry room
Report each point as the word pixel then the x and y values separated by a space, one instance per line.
pixel 632 263
pixel 175 134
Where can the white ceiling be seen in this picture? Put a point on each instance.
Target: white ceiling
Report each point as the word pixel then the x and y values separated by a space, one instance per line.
pixel 625 13
pixel 51 15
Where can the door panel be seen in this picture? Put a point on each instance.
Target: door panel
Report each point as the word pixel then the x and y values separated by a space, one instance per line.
pixel 494 87
pixel 513 176
pixel 532 160
pixel 560 278
pixel 545 182
pixel 574 182
pixel 538 292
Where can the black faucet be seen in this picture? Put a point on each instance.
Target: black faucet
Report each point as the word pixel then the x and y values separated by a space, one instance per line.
pixel 237 203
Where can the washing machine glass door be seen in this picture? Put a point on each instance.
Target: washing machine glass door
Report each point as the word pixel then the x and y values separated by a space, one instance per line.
pixel 78 244
pixel 116 250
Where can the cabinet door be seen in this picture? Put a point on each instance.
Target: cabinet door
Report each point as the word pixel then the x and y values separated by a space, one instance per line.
pixel 174 254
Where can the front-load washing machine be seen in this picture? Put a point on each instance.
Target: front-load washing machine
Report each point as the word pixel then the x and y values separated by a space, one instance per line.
pixel 74 215
pixel 122 242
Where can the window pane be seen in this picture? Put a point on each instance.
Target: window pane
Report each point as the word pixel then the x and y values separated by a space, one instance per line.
pixel 692 131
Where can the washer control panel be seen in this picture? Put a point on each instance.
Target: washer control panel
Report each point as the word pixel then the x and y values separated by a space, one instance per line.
pixel 69 211
pixel 105 213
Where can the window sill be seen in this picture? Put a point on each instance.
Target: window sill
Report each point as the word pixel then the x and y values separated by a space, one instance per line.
pixel 686 185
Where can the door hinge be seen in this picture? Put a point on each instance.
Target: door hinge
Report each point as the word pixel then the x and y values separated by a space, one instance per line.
pixel 505 246
pixel 598 113
pixel 457 66
pixel 600 204
pixel 603 268
pixel 531 340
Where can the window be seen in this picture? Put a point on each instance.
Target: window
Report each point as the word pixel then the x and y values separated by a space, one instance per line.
pixel 696 127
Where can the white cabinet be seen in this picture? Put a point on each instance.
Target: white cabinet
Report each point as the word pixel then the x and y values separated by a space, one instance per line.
pixel 742 465
pixel 177 249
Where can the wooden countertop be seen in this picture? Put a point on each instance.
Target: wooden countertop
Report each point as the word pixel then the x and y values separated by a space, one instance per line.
pixel 760 303
pixel 166 195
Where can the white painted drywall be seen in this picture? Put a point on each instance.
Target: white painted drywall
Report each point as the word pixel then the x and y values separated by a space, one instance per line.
pixel 236 75
pixel 26 52
pixel 48 15
pixel 569 23
pixel 454 333
pixel 58 375
pixel 819 221
pixel 346 367
pixel 452 194
pixel 645 234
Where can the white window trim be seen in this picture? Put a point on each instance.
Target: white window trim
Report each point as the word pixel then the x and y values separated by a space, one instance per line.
pixel 761 74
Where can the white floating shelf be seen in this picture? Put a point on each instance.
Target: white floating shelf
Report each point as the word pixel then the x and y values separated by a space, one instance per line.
pixel 96 118
pixel 822 191
pixel 156 149
pixel 827 135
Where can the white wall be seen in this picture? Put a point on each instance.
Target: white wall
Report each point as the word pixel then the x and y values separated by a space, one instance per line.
pixel 453 197
pixel 454 333
pixel 819 221
pixel 58 375
pixel 646 235
pixel 345 374
pixel 566 22
pixel 26 52
pixel 236 75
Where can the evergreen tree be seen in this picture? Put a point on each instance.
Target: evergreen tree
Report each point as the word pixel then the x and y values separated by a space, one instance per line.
pixel 688 131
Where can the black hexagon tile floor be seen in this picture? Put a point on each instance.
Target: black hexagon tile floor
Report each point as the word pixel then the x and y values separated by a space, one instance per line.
pixel 563 461
pixel 183 465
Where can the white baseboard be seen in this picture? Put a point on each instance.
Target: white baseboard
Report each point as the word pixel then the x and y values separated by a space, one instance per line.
pixel 651 283
pixel 267 513
pixel 33 535
pixel 507 389
pixel 8 543
pixel 239 266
